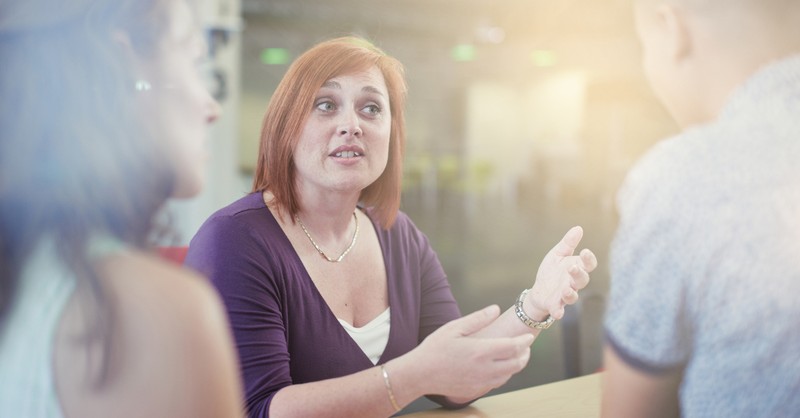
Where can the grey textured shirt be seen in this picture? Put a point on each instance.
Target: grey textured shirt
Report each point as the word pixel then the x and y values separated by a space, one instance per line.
pixel 705 265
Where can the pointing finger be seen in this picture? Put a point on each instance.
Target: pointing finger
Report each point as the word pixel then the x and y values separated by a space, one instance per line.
pixel 567 245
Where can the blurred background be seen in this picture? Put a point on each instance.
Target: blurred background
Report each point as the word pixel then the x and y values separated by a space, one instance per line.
pixel 523 118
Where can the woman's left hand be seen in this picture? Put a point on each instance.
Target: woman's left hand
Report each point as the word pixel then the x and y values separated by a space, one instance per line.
pixel 560 276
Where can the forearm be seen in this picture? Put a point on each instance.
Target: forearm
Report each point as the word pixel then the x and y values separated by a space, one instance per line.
pixel 362 394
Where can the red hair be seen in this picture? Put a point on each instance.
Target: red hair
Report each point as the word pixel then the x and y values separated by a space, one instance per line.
pixel 292 103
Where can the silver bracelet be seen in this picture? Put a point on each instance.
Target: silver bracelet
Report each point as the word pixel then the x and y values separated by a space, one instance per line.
pixel 526 319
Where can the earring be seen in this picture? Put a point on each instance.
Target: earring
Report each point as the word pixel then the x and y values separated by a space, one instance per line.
pixel 142 85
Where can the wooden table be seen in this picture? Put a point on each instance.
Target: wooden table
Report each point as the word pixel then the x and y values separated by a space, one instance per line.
pixel 578 397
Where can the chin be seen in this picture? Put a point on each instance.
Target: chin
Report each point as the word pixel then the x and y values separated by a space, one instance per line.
pixel 188 189
pixel 686 118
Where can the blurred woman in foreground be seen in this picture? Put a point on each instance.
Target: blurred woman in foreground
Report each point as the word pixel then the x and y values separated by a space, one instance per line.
pixel 103 116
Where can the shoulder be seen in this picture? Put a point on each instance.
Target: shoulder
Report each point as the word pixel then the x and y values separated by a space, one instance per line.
pixel 403 225
pixel 407 248
pixel 666 164
pixel 162 313
pixel 403 231
pixel 167 308
pixel 668 194
pixel 137 273
pixel 246 223
pixel 675 178
pixel 242 206
pixel 249 212
pixel 246 212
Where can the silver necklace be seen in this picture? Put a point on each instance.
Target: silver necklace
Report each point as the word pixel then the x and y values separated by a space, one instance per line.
pixel 319 250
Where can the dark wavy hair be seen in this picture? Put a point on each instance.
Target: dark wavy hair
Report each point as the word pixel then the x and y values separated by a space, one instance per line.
pixel 76 158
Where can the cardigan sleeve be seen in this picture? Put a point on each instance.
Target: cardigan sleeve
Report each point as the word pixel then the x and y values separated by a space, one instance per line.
pixel 436 302
pixel 239 265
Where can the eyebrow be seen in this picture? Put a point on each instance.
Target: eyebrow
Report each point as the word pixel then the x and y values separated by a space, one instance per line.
pixel 335 85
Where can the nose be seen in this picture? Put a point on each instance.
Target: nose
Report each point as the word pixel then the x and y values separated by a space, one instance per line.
pixel 349 125
pixel 213 110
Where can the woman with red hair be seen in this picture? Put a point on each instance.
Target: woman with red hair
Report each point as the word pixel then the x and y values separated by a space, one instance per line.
pixel 338 304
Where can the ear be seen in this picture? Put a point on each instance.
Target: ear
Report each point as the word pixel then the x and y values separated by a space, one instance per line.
pixel 675 27
pixel 122 40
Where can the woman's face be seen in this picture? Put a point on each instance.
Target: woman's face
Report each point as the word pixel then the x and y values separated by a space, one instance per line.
pixel 178 103
pixel 344 146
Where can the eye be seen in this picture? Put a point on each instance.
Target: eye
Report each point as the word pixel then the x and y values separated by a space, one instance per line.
pixel 203 64
pixel 372 110
pixel 325 106
pixel 202 61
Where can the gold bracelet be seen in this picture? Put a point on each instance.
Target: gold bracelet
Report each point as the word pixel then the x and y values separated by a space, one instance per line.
pixel 389 388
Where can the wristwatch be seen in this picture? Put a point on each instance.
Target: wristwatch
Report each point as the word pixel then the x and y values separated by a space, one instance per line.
pixel 526 319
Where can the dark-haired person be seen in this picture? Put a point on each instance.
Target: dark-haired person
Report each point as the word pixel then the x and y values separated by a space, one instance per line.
pixel 103 115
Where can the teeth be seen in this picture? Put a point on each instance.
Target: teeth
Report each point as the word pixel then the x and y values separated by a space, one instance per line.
pixel 347 154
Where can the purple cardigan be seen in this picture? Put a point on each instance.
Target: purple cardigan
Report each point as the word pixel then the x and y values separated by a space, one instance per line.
pixel 284 331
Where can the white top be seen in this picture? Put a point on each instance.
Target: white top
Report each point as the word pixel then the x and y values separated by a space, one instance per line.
pixel 373 336
pixel 27 384
pixel 27 333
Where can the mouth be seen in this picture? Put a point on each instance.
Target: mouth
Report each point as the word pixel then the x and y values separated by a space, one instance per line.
pixel 347 151
pixel 347 154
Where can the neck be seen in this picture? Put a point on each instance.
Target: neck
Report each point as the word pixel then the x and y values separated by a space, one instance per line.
pixel 727 64
pixel 328 216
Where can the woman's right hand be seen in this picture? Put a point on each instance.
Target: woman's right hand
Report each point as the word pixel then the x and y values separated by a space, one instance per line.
pixel 454 363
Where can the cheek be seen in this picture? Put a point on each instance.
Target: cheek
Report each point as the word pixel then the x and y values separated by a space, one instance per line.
pixel 310 145
pixel 182 131
pixel 383 146
pixel 190 176
pixel 651 72
pixel 656 71
pixel 183 128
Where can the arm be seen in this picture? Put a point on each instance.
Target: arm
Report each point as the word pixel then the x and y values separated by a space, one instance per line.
pixel 448 362
pixel 629 392
pixel 658 250
pixel 233 257
pixel 239 266
pixel 561 274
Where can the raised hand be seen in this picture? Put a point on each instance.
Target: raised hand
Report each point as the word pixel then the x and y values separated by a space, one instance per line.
pixel 560 276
